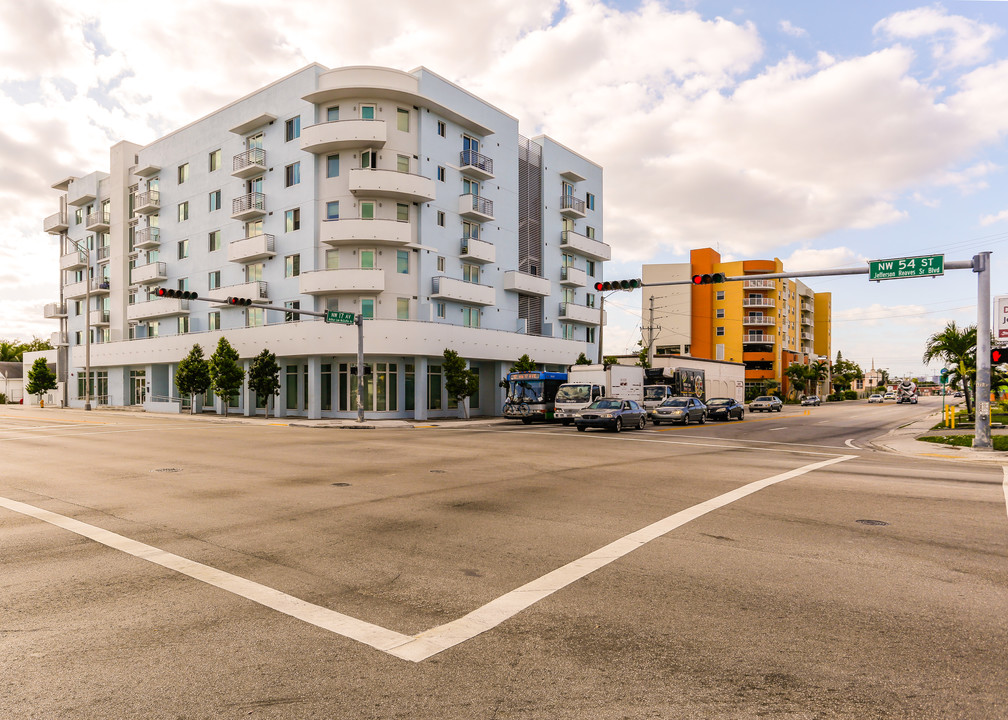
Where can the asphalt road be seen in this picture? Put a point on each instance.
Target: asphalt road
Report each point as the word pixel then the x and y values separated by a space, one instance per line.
pixel 779 567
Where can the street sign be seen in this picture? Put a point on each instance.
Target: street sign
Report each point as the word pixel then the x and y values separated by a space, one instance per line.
pixel 1001 317
pixel 333 316
pixel 895 268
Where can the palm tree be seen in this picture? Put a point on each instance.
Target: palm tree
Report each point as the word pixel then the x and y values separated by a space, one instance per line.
pixel 956 347
pixel 817 373
pixel 798 377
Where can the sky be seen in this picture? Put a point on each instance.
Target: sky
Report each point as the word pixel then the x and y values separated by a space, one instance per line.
pixel 824 134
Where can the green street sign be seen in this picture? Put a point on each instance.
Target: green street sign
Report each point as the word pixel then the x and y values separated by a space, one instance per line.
pixel 333 316
pixel 896 268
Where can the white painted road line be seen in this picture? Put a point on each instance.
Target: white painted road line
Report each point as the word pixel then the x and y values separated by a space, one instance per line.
pixel 1004 486
pixel 850 444
pixel 424 645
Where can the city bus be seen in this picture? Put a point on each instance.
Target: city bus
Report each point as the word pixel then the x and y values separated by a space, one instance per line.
pixel 532 395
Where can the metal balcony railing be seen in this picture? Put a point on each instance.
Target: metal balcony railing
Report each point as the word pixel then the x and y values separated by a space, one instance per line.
pixel 252 156
pixel 98 218
pixel 569 202
pixel 759 285
pixel 150 197
pixel 474 159
pixel 103 252
pixel 482 205
pixel 250 201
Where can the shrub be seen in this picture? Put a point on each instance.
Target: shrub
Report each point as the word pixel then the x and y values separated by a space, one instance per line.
pixel 850 395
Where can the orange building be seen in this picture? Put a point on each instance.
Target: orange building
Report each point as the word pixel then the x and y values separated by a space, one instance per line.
pixel 766 324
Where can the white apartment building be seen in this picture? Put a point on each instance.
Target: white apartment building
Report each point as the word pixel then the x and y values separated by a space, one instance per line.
pixel 394 195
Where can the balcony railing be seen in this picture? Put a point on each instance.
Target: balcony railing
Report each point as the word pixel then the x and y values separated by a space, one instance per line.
pixel 250 162
pixel 97 220
pixel 56 223
pixel 475 163
pixel 248 205
pixel 147 238
pixel 103 252
pixel 477 250
pixel 758 339
pixel 572 206
pixel 476 206
pixel 147 202
pixel 758 320
pixel 759 285
pixel 758 302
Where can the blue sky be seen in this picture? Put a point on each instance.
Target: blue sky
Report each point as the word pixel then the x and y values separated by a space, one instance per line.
pixel 825 134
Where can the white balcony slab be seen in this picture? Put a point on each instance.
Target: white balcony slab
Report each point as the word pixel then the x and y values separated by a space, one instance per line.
pixel 478 251
pixel 343 134
pixel 344 280
pixel 585 246
pixel 251 249
pixel 391 184
pixel 573 277
pixel 150 273
pixel 159 307
pixel 353 231
pixel 527 284
pixel 446 288
pixel 582 314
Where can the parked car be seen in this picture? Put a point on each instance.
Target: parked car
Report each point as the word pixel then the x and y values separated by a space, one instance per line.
pixel 611 413
pixel 766 403
pixel 875 398
pixel 681 410
pixel 957 393
pixel 811 400
pixel 724 409
pixel 889 396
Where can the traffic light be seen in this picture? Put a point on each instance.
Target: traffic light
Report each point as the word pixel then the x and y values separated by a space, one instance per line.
pixel 631 284
pixel 239 301
pixel 708 278
pixel 945 371
pixel 182 294
pixel 998 355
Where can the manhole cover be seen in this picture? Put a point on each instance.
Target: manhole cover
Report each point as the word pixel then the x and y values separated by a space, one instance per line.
pixel 341 484
pixel 873 522
pixel 167 470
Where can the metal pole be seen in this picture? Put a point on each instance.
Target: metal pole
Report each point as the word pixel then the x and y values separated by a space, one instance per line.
pixel 601 325
pixel 650 344
pixel 360 368
pixel 982 433
pixel 87 328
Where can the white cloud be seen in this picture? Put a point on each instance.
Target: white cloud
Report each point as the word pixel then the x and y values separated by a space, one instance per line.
pixel 955 40
pixel 793 30
pixel 986 220
pixel 809 258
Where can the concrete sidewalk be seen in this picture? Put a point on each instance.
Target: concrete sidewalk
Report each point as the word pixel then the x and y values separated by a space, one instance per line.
pixel 903 440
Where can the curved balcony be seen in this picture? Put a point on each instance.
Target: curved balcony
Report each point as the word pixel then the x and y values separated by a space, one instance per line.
pixel 351 231
pixel 147 238
pixel 478 251
pixel 391 184
pixel 754 302
pixel 249 163
pixel 476 207
pixel 446 288
pixel 329 137
pixel 345 280
pixel 251 249
pixel 759 340
pixel 759 284
pixel 147 203
pixel 248 206
pixel 474 164
pixel 761 320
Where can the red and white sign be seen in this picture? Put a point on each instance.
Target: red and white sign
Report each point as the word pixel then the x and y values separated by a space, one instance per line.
pixel 1001 317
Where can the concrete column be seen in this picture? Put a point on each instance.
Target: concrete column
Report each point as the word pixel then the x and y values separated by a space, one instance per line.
pixel 247 396
pixel 500 394
pixel 420 388
pixel 280 401
pixel 314 387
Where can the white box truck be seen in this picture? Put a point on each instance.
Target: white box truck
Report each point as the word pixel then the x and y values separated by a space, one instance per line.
pixel 587 383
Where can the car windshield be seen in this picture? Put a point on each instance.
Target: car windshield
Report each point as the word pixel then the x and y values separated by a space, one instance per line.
pixel 606 405
pixel 675 402
pixel 764 398
pixel 529 391
pixel 573 393
pixel 719 402
pixel 654 392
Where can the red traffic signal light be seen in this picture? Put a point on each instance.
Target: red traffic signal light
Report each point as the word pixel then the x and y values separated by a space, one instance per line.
pixel 631 284
pixel 998 355
pixel 239 301
pixel 181 294
pixel 708 278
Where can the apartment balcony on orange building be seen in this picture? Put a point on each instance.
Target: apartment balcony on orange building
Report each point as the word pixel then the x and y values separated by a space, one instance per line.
pixel 758 301
pixel 759 284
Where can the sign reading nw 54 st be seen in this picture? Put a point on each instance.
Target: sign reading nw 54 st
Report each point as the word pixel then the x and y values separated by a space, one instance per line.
pixel 895 268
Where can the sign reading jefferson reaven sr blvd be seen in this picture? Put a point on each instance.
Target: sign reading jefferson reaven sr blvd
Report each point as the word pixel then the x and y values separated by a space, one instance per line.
pixel 894 268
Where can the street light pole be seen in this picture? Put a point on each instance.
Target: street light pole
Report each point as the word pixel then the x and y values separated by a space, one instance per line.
pixel 87 322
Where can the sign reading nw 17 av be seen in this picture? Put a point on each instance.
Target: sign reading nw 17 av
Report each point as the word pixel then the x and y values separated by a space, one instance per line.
pixel 332 316
pixel 895 268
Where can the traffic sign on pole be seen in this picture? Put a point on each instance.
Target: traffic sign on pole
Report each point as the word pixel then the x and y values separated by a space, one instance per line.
pixel 896 268
pixel 334 316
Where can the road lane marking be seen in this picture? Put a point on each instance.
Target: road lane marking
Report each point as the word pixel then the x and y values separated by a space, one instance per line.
pixel 780 428
pixel 431 642
pixel 850 444
pixel 55 420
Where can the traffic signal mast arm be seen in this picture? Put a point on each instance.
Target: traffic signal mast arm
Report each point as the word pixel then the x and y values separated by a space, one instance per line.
pixel 953 265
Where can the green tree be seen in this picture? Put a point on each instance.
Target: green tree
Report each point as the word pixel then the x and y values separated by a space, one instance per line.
pixel 226 374
pixel 13 351
pixel 797 373
pixel 610 360
pixel 956 347
pixel 461 383
pixel 818 372
pixel 523 364
pixel 192 376
pixel 844 373
pixel 582 359
pixel 642 354
pixel 40 379
pixel 264 376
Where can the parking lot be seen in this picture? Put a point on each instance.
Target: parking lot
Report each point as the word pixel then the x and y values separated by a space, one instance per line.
pixel 168 567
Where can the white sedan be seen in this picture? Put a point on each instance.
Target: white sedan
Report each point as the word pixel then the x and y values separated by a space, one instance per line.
pixel 875 398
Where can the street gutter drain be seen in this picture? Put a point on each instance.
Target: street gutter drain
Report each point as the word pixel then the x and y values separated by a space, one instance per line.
pixel 873 522
pixel 167 470
pixel 341 484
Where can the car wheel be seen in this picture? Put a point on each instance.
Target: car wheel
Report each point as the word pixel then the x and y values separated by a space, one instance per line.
pixel 619 424
pixel 780 408
pixel 656 422
pixel 527 421
pixel 703 418
pixel 581 428
pixel 641 423
pixel 741 415
pixel 685 420
pixel 565 423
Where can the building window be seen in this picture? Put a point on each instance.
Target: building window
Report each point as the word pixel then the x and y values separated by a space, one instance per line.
pixel 183 284
pixel 183 211
pixel 78 337
pixel 153 329
pixel 292 174
pixel 442 129
pixel 566 260
pixel 720 295
pixel 719 313
pixel 440 264
pixel 402 119
pixel 214 240
pixel 254 272
pixel 78 216
pixel 590 268
pixel 332 210
pixel 568 331
pixel 439 310
pixel 183 173
pixel 292 266
pixel 719 331
pixel 470 273
pixel 590 232
pixel 369 160
pixel 332 113
pixel 590 334
pixel 367 112
pixel 292 129
pixel 440 218
pixel 589 201
pixel 332 259
pixel 402 163
pixel 441 173
pixel 433 387
pixel 255 317
pixel 367 259
pixel 215 200
pixel 590 300
pixel 292 220
pixel 183 325
pixel 213 280
pixel 213 320
pixel 332 304
pixel 332 166
pixel 215 160
pixel 367 307
pixel 183 249
pixel 402 212
pixel 402 262
pixel 367 210
pixel 402 308
pixel 471 317
pixel 292 305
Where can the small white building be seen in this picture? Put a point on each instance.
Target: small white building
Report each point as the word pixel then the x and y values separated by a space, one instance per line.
pixel 12 381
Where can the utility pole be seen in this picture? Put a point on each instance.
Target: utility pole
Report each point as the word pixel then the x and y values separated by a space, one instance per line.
pixel 360 367
pixel 651 330
pixel 982 433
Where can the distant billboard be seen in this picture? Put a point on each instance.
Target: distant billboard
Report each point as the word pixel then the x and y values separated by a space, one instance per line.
pixel 1001 317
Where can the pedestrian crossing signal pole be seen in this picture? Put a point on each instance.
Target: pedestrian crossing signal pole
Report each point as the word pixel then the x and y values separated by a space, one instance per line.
pixel 360 367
